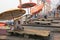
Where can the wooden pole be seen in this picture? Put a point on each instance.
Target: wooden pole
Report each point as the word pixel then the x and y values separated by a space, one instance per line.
pixel 20 2
pixel 29 9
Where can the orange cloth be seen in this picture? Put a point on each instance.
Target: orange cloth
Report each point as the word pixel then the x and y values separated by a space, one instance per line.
pixel 2 24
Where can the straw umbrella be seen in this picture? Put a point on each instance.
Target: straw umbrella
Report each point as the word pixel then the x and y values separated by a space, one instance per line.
pixel 12 14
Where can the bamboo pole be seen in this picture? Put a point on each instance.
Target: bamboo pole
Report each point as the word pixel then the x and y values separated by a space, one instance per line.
pixel 20 2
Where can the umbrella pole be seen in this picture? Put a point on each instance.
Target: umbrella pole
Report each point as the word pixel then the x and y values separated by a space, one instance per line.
pixel 13 20
pixel 20 2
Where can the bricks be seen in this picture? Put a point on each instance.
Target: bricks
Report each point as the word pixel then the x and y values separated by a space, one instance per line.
pixel 3 37
pixel 57 37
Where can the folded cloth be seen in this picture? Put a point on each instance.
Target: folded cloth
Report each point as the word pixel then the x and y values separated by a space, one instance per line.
pixel 3 32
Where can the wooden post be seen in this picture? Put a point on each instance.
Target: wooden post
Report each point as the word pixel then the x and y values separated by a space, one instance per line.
pixel 20 2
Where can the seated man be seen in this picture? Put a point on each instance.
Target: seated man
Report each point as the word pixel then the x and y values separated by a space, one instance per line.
pixel 45 16
pixel 11 27
pixel 20 28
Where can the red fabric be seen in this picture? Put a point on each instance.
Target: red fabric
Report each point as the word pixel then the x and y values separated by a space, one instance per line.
pixel 48 1
pixel 2 24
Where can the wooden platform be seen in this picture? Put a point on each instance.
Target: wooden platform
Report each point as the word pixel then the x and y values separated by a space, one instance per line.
pixel 33 32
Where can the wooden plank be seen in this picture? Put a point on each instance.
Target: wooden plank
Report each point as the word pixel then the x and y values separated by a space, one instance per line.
pixel 38 32
pixel 33 32
pixel 44 22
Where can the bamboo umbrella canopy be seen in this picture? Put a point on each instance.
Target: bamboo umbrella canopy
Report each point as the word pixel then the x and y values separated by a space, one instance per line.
pixel 11 14
pixel 26 5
